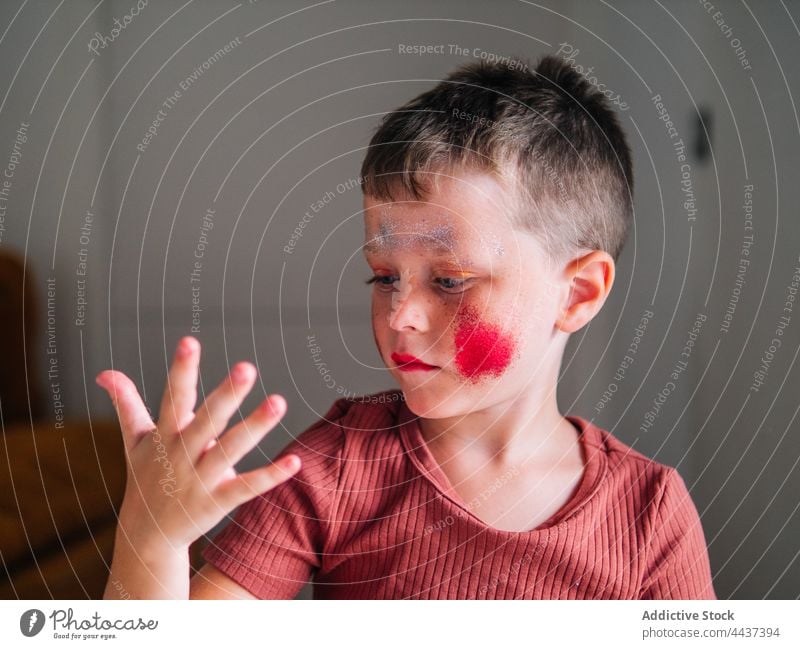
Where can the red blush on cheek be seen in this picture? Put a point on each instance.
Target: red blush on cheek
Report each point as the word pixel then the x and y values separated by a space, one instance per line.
pixel 482 349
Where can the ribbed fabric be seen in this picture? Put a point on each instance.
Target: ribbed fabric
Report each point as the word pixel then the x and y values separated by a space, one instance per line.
pixel 371 515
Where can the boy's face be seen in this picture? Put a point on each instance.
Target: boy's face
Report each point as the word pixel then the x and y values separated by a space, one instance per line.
pixel 465 293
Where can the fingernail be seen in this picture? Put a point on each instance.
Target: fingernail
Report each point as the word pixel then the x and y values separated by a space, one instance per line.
pixel 275 405
pixel 241 373
pixel 291 462
pixel 184 349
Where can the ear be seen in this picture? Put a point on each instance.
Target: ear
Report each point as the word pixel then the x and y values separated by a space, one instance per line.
pixel 588 282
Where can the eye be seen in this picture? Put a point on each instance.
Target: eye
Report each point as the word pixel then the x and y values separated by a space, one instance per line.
pixel 384 282
pixel 453 284
pixel 447 284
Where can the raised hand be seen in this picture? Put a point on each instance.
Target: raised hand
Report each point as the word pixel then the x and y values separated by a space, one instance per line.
pixel 180 475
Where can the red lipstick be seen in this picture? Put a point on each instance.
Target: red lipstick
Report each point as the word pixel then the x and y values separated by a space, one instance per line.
pixel 408 363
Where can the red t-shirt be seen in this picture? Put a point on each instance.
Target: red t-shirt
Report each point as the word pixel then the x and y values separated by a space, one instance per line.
pixel 371 515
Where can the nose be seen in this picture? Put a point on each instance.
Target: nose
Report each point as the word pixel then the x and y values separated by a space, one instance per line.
pixel 408 311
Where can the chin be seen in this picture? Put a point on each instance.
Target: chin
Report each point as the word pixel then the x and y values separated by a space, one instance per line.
pixel 432 403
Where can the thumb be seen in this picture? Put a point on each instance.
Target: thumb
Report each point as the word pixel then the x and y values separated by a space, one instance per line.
pixel 134 419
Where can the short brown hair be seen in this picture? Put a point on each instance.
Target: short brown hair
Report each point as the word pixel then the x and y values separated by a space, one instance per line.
pixel 546 126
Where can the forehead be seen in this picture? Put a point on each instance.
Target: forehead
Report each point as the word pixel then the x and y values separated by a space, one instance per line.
pixel 466 214
pixel 390 231
pixel 468 196
pixel 430 227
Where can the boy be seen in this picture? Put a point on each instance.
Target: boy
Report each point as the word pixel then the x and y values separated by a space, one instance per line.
pixel 496 206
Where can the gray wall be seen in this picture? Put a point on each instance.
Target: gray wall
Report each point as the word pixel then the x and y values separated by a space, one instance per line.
pixel 280 122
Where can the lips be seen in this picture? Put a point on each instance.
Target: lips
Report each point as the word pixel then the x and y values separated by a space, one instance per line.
pixel 408 363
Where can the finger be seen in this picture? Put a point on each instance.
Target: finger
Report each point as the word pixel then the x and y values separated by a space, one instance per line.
pixel 247 486
pixel 228 473
pixel 180 391
pixel 213 415
pixel 240 439
pixel 134 419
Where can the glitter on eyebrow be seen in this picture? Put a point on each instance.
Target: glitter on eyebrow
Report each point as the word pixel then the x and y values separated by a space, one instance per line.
pixel 440 237
pixel 442 234
pixel 387 228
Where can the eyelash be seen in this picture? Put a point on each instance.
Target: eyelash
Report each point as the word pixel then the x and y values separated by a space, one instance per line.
pixel 462 283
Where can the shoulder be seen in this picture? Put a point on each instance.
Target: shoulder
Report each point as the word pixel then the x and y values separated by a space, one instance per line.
pixel 629 473
pixel 650 496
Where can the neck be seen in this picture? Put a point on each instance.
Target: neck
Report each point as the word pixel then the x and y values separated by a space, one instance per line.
pixel 525 426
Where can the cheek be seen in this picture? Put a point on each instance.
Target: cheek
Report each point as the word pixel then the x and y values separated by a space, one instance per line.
pixel 482 349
